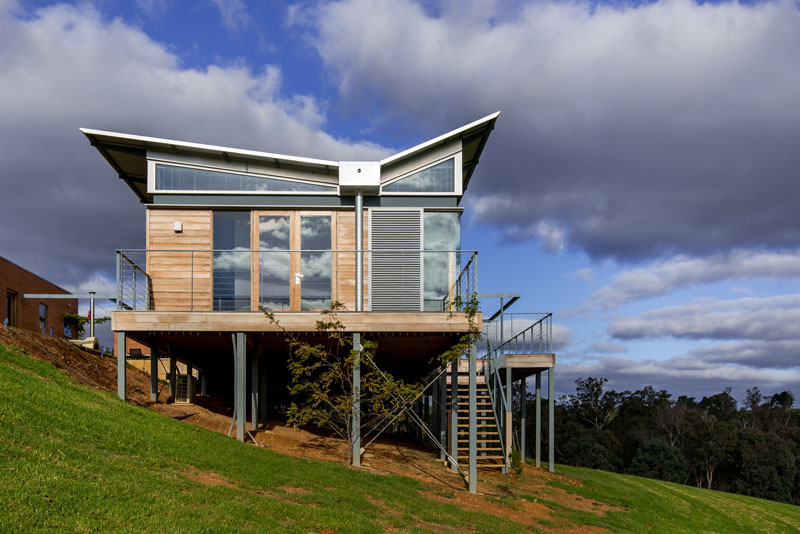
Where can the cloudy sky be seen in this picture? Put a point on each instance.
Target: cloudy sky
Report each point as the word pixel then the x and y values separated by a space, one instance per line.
pixel 642 183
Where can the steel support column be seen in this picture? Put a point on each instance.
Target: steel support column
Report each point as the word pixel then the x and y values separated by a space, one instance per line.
pixel 240 384
pixel 473 418
pixel 523 394
pixel 551 434
pixel 121 365
pixel 442 409
pixel 538 449
pixel 356 423
pixel 509 419
pixel 454 415
pixel 254 390
pixel 153 371
pixel 173 369
pixel 262 382
pixel 435 422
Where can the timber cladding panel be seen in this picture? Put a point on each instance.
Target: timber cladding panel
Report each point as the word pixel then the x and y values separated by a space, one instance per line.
pixel 346 263
pixel 180 280
pixel 15 281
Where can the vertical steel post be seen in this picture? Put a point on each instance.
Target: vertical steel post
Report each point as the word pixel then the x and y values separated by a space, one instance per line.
pixel 454 415
pixel 153 370
pixel 435 408
pixel 121 365
pixel 119 281
pixel 241 372
pixel 523 401
pixel 442 409
pixel 359 250
pixel 262 395
pixel 356 423
pixel 509 418
pixel 538 450
pixel 551 434
pixel 254 376
pixel 91 314
pixel 473 418
pixel 173 370
pixel 502 333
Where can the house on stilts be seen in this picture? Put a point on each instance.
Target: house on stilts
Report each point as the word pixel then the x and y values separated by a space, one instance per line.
pixel 230 231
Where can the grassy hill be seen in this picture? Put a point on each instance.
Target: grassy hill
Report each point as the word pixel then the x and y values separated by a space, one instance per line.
pixel 73 458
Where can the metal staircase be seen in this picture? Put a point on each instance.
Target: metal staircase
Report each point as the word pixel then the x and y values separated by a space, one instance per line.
pixel 490 450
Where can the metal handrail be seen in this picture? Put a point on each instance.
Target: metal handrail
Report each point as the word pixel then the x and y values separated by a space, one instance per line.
pixel 545 337
pixel 130 297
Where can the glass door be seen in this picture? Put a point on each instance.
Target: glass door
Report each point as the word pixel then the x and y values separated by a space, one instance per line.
pixel 274 270
pixel 295 267
pixel 315 262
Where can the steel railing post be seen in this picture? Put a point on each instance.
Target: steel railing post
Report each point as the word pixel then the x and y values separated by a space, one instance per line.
pixel 119 282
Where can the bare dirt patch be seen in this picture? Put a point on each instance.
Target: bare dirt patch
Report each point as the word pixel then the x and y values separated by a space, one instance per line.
pixel 82 365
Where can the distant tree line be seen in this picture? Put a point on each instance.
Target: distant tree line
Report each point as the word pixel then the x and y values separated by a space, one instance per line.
pixel 712 443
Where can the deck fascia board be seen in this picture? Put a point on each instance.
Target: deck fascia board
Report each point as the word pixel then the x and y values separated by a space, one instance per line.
pixel 388 322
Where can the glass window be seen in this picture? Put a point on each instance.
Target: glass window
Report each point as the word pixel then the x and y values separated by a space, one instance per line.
pixel 439 178
pixel 442 236
pixel 171 178
pixel 315 267
pixel 273 265
pixel 42 317
pixel 231 260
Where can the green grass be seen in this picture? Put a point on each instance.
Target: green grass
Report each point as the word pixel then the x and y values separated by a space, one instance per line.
pixel 75 459
pixel 648 505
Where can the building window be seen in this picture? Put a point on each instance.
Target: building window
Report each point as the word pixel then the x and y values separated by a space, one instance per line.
pixel 315 267
pixel 232 260
pixel 439 178
pixel 172 178
pixel 11 307
pixel 442 231
pixel 43 317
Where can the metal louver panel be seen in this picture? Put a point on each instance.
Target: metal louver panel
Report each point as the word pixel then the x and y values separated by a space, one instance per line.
pixel 396 277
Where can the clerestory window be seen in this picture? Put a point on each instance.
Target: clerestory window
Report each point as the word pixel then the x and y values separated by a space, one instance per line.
pixel 173 178
pixel 439 178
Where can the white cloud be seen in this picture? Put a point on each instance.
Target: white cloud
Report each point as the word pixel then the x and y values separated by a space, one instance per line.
pixel 678 272
pixel 234 13
pixel 628 130
pixel 97 283
pixel 64 67
pixel 766 318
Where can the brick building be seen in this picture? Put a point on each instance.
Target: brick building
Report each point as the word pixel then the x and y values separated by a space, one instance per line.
pixel 38 315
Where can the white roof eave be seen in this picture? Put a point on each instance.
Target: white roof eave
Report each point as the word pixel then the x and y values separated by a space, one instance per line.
pixel 154 142
pixel 444 137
